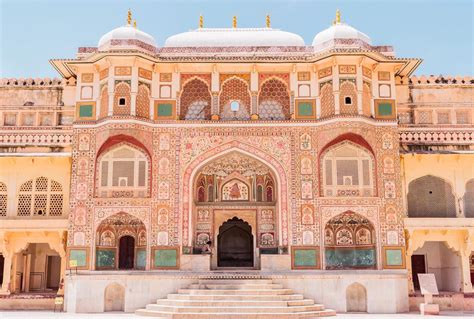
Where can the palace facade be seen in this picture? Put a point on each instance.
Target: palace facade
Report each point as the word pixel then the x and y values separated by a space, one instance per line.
pixel 327 168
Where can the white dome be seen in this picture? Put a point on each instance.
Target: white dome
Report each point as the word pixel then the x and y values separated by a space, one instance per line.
pixel 126 32
pixel 340 31
pixel 234 37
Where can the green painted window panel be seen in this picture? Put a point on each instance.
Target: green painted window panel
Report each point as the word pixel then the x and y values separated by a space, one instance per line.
pixel 350 258
pixel 394 257
pixel 385 109
pixel 305 258
pixel 166 258
pixel 305 109
pixel 105 259
pixel 165 109
pixel 141 258
pixel 80 256
pixel 86 110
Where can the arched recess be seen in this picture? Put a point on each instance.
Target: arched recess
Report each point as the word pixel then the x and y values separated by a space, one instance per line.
pixel 274 100
pixel 468 199
pixel 366 99
pixel 235 244
pixel 143 101
pixel 280 186
pixel 237 90
pixel 356 298
pixel 350 242
pixel 430 196
pixel 104 102
pixel 348 98
pixel 114 297
pixel 327 100
pixel 195 100
pixel 348 167
pixel 112 251
pixel 3 199
pixel 122 99
pixel 123 168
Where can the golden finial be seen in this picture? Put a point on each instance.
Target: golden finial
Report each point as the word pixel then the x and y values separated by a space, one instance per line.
pixel 135 24
pixel 267 21
pixel 129 17
pixel 234 22
pixel 201 22
pixel 338 17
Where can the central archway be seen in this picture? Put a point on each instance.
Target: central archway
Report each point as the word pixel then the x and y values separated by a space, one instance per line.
pixel 235 244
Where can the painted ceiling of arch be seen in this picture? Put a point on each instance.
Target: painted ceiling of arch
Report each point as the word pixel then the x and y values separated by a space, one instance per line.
pixel 235 162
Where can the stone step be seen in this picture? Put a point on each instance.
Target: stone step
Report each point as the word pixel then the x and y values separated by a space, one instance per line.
pixel 235 281
pixel 236 297
pixel 241 309
pixel 235 303
pixel 228 315
pixel 235 291
pixel 235 286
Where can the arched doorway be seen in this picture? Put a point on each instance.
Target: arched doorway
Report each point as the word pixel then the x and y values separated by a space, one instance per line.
pixel 126 252
pixel 356 298
pixel 121 241
pixel 235 244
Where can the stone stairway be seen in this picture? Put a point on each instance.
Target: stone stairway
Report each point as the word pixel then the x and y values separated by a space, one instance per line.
pixel 235 299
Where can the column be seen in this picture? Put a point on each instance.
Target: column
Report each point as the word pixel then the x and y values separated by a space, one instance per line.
pixel 215 88
pixel 7 267
pixel 335 89
pixel 111 89
pixel 375 90
pixel 315 89
pixel 254 92
pixel 465 262
pixel 359 85
pixel 133 91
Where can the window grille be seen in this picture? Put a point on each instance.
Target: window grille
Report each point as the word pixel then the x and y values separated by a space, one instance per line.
pixel 40 197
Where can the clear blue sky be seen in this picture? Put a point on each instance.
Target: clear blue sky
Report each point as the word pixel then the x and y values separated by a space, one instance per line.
pixel 32 32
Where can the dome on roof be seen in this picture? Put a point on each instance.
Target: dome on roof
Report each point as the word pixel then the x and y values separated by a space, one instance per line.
pixel 234 37
pixel 124 34
pixel 340 35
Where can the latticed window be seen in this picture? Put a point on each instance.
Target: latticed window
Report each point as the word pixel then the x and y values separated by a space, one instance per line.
pixel 3 199
pixel 431 196
pixel 443 118
pixel 274 101
pixel 425 117
pixel 462 117
pixel 40 197
pixel 469 199
pixel 348 171
pixel 123 172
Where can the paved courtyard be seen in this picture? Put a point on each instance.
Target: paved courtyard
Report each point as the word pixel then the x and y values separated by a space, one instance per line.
pixel 47 315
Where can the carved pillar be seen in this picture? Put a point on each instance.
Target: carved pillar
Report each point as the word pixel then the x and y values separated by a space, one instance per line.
pixel 7 266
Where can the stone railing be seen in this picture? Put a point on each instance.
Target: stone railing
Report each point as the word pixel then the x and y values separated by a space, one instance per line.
pixel 434 135
pixel 47 137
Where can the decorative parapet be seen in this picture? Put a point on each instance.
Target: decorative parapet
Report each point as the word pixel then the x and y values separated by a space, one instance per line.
pixel 437 135
pixel 38 82
pixel 23 138
pixel 437 80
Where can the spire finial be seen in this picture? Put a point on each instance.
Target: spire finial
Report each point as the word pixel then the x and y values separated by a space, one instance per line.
pixel 338 17
pixel 135 23
pixel 267 21
pixel 129 17
pixel 201 22
pixel 234 22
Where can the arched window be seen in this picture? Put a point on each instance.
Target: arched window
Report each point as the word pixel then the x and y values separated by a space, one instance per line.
pixel 40 197
pixel 122 99
pixel 349 242
pixel 123 172
pixel 3 199
pixel 348 97
pixel 469 199
pixel 235 100
pixel 430 196
pixel 104 102
pixel 274 101
pixel 143 101
pixel 327 100
pixel 348 171
pixel 195 101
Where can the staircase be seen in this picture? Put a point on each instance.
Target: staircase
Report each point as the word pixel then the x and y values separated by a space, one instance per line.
pixel 235 298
